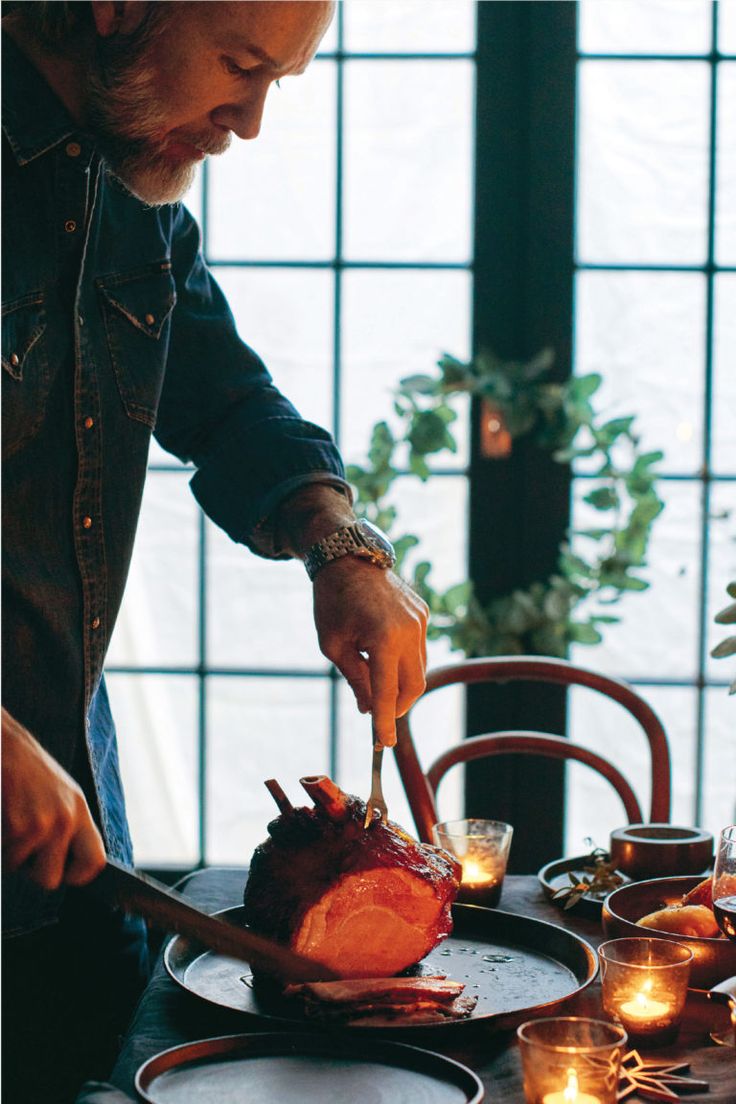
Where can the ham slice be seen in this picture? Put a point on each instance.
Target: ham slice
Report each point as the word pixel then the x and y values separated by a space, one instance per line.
pixel 379 1002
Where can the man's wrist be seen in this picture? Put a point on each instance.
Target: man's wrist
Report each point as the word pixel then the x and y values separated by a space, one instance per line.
pixel 310 514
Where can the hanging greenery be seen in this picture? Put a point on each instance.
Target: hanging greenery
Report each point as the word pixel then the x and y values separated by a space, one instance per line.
pixel 521 401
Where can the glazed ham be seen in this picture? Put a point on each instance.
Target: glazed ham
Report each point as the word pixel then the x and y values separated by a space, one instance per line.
pixel 367 902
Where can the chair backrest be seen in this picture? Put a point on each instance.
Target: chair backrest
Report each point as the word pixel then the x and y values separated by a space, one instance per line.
pixel 421 786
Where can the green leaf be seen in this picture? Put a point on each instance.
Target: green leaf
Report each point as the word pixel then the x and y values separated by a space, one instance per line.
pixel 726 616
pixel 418 465
pixel 582 387
pixel 423 385
pixel 727 647
pixel 428 432
pixel 603 498
pixel 582 633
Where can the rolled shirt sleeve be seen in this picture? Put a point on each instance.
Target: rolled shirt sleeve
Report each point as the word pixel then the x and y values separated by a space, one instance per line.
pixel 221 411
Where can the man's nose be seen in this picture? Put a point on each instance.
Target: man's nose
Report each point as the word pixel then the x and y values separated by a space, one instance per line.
pixel 243 117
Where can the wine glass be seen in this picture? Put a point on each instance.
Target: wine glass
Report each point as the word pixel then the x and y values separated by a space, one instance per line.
pixel 724 882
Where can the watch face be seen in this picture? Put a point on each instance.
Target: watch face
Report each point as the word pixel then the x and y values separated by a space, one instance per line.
pixel 378 544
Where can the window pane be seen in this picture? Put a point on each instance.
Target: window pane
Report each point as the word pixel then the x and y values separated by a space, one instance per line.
pixel 727 26
pixel 592 805
pixel 258 729
pixel 436 512
pixel 259 612
pixel 156 718
pixel 437 723
pixel 724 376
pixel 657 636
pixel 274 199
pixel 722 571
pixel 413 26
pixel 407 160
pixel 719 799
pixel 726 168
pixel 397 324
pixel 157 625
pixel 644 332
pixel 645 26
pixel 286 315
pixel 643 161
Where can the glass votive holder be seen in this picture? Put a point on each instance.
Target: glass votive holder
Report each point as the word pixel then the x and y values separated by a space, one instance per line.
pixel 482 847
pixel 571 1060
pixel 644 987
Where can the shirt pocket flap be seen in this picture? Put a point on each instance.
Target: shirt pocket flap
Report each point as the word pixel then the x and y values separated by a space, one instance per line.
pixel 146 299
pixel 24 322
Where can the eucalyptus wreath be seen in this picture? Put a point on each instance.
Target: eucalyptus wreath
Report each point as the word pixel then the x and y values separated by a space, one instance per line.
pixel 596 566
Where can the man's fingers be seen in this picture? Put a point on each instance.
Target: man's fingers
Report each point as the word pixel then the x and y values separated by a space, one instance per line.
pixel 354 667
pixel 86 857
pixel 47 865
pixel 412 684
pixel 16 853
pixel 384 694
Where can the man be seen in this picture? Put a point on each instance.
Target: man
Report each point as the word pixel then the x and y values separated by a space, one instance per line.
pixel 112 329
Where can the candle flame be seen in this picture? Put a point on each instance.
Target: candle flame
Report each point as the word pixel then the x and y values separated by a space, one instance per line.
pixel 475 873
pixel 570 1094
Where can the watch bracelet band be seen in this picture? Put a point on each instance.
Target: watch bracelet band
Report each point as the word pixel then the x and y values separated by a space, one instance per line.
pixel 343 542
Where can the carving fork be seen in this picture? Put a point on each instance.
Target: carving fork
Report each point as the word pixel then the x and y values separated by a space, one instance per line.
pixel 376 799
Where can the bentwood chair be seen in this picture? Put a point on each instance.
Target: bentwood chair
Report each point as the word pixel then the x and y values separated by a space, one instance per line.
pixel 421 785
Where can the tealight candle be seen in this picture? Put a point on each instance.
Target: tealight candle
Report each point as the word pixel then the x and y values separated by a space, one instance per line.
pixel 571 1094
pixel 482 847
pixel 571 1060
pixel 644 986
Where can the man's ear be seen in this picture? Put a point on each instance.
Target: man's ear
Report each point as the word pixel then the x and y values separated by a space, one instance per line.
pixel 117 16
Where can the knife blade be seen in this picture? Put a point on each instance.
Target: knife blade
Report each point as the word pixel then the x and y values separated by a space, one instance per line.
pixel 169 911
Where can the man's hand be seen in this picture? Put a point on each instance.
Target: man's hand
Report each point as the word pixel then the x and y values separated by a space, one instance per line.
pixel 372 626
pixel 47 826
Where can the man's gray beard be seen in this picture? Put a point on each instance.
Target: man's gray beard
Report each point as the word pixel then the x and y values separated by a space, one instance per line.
pixel 124 112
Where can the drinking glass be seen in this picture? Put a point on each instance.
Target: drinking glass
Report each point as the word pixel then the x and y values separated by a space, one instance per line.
pixel 724 882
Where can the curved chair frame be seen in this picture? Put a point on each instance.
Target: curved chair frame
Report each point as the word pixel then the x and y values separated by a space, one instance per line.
pixel 421 787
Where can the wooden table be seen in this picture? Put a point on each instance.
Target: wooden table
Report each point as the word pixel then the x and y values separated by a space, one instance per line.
pixel 167 1015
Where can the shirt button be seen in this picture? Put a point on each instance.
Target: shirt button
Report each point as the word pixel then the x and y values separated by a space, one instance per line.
pixel 70 226
pixel 81 320
pixel 14 359
pixel 73 149
pixel 88 423
pixel 95 622
pixel 150 319
pixel 87 522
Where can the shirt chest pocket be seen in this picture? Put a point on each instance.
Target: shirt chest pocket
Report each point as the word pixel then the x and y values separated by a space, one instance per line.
pixel 25 370
pixel 137 310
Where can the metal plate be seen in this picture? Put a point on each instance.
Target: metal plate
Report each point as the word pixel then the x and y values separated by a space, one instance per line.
pixel 274 1068
pixel 513 964
pixel 555 875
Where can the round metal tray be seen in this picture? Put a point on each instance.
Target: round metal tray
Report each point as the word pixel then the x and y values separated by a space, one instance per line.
pixel 515 965
pixel 273 1068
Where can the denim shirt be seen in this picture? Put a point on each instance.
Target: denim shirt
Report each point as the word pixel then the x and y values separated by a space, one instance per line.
pixel 113 329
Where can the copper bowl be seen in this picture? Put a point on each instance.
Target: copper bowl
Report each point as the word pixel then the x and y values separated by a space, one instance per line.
pixel 713 959
pixel 660 850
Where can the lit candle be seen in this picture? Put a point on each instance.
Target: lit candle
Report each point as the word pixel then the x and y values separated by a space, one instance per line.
pixel 476 875
pixel 571 1094
pixel 644 1008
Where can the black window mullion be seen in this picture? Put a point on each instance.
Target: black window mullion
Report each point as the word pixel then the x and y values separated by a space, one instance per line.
pixel 707 431
pixel 519 507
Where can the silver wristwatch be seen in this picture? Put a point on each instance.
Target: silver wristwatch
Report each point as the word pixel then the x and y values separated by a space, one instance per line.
pixel 361 539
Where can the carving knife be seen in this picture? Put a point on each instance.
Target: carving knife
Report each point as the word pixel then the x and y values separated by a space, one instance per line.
pixel 169 911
